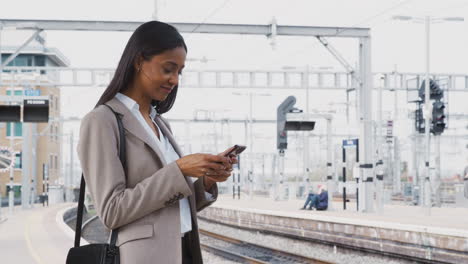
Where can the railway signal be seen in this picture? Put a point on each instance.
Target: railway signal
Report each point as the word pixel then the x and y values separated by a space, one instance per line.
pixel 438 118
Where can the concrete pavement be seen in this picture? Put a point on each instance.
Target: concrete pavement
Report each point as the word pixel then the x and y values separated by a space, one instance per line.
pixel 35 236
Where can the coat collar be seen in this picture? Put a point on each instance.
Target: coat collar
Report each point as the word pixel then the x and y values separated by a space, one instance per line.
pixel 132 125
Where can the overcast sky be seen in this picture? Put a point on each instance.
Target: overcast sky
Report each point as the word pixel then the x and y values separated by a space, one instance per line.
pixel 394 42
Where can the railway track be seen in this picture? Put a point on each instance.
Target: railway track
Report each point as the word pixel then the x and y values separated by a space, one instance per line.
pixel 342 247
pixel 246 252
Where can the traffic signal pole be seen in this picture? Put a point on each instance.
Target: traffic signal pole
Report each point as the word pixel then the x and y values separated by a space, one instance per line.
pixel 426 190
pixel 366 144
pixel 438 200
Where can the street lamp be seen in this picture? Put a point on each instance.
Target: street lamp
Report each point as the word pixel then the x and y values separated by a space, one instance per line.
pixel 427 106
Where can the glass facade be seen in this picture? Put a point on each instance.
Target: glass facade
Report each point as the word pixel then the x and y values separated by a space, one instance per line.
pixel 18 161
pixel 17 129
pixel 17 92
pixel 25 60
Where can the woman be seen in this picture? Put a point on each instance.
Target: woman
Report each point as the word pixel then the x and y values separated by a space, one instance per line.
pixel 155 200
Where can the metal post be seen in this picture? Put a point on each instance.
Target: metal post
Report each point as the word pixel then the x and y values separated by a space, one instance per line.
pixel 251 180
pixel 397 186
pixel 344 178
pixel 330 187
pixel 379 164
pixel 44 186
pixel 11 193
pixel 234 186
pixel 246 137
pixel 282 191
pixel 415 182
pixel 262 182
pixel 238 177
pixel 357 178
pixel 306 133
pixel 397 166
pixel 11 201
pixel 365 114
pixel 156 10
pixel 427 119
pixel 274 180
pixel 438 198
pixel 68 187
pixel 34 177
pixel 26 166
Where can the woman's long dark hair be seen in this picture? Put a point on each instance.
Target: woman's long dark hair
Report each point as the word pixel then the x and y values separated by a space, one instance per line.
pixel 149 39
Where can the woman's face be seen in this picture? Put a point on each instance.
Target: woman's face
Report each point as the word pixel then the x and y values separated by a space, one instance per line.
pixel 160 75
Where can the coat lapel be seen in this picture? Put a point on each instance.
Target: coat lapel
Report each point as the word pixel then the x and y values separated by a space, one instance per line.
pixel 132 125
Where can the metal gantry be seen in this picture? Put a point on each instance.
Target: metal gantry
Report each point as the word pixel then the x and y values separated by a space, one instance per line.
pixel 238 79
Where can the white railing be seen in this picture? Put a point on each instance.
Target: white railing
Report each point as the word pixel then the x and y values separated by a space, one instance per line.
pixel 240 79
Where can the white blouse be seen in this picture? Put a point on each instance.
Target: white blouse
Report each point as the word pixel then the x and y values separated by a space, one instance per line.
pixel 169 155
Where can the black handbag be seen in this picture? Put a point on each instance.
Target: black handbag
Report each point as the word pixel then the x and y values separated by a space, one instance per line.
pixel 96 253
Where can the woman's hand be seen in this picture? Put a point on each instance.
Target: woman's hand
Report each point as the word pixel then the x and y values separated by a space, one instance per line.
pixel 232 157
pixel 211 179
pixel 200 164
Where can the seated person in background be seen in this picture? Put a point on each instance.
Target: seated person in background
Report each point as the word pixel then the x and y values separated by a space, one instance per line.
pixel 313 198
pixel 322 200
pixel 310 198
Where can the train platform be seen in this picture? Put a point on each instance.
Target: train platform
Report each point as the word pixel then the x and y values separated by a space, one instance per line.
pixel 449 218
pixel 37 235
pixel 400 230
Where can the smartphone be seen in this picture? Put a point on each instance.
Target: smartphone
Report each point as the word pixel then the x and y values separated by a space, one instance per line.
pixel 236 150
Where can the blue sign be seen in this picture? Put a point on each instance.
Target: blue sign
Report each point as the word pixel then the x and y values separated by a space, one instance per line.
pixel 32 92
pixel 350 142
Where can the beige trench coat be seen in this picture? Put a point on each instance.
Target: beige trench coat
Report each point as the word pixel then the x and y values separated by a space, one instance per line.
pixel 142 201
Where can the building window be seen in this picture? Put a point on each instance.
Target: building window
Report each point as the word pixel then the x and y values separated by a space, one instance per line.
pixel 51 132
pixel 51 161
pixel 17 129
pixel 18 160
pixel 51 101
pixel 20 61
pixel 56 103
pixel 39 60
pixel 56 161
pixel 16 92
pixel 56 132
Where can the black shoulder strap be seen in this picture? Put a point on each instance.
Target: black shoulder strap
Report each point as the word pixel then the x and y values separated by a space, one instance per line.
pixel 79 218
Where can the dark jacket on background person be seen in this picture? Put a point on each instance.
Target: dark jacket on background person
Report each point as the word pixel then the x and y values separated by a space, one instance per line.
pixel 322 200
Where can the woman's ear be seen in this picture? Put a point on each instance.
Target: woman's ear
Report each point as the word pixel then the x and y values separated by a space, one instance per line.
pixel 138 63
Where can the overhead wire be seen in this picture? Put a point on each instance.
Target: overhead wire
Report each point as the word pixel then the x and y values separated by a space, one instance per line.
pixel 216 10
pixel 370 18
